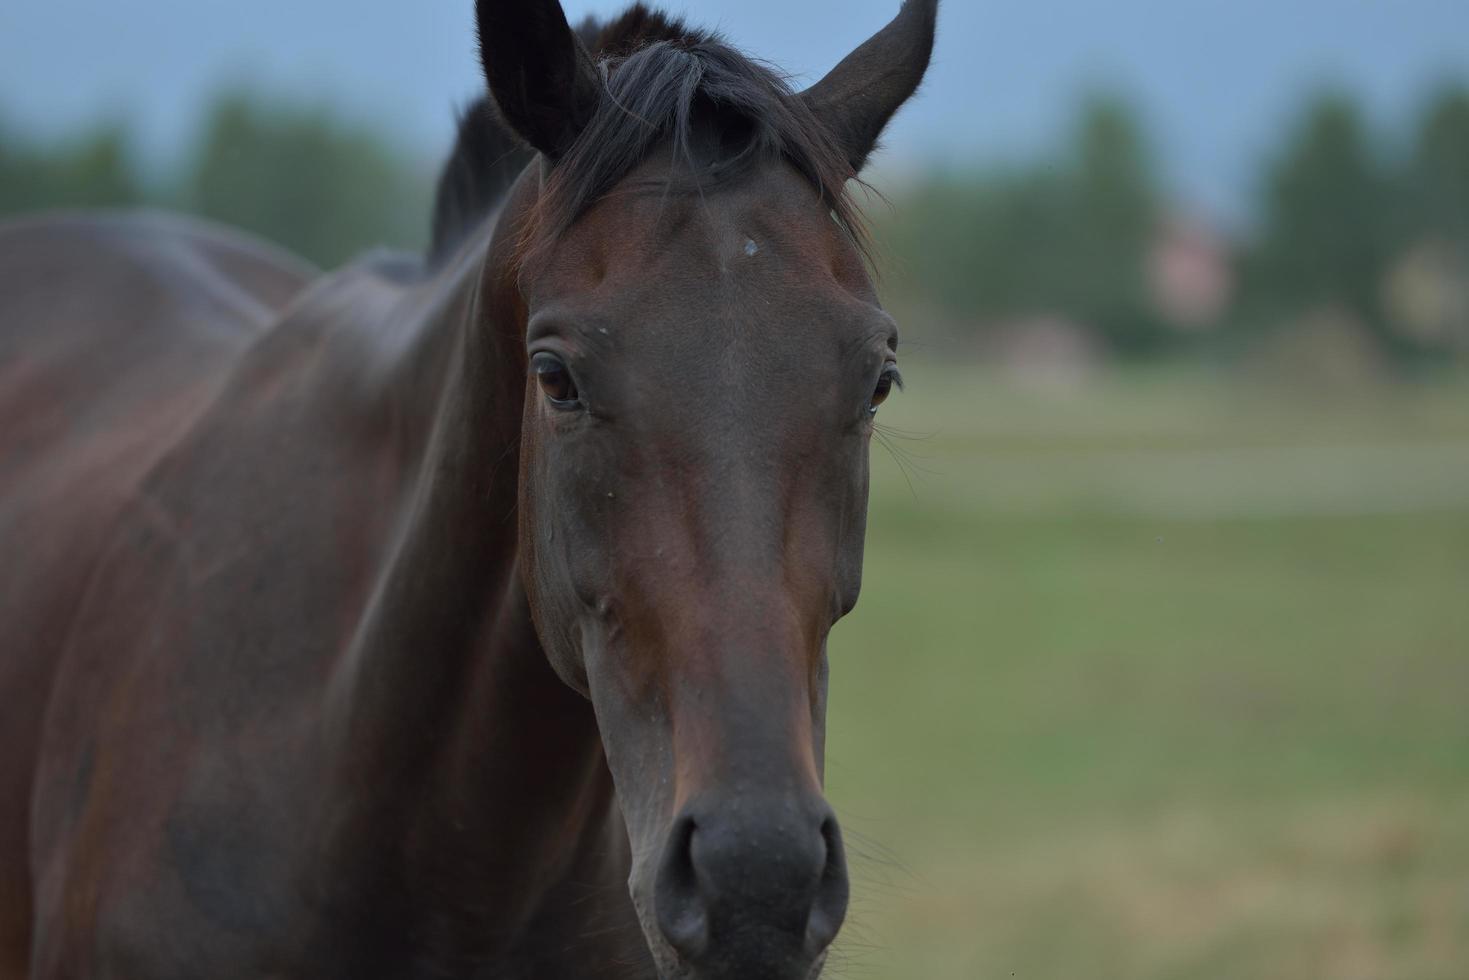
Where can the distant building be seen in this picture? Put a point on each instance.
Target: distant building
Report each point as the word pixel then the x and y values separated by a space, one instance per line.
pixel 1190 274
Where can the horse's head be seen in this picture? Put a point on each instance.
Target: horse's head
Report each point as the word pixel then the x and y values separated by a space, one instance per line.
pixel 707 355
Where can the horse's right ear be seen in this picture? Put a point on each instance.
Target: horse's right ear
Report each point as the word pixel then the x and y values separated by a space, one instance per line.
pixel 540 76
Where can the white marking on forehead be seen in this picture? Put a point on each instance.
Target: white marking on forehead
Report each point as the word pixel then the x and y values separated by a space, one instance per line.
pixel 751 248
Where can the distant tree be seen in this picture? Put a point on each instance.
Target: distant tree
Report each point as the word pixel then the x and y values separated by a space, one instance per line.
pixel 1115 218
pixel 94 170
pixel 1327 232
pixel 304 179
pixel 1439 169
pixel 1427 292
pixel 979 247
pixel 1065 238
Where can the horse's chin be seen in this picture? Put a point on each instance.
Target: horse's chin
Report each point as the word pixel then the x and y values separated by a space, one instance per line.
pixel 680 972
pixel 670 965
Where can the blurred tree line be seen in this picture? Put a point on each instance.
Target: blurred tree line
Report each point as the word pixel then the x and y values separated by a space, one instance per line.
pixel 296 175
pixel 1063 237
pixel 1380 237
pixel 1366 231
pixel 1349 226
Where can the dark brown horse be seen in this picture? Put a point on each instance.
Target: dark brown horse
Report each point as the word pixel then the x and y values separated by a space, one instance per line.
pixel 458 618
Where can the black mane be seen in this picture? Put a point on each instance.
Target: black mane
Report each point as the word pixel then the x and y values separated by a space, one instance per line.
pixel 485 161
pixel 663 80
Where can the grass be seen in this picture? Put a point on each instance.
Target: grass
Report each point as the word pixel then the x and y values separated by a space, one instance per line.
pixel 1161 677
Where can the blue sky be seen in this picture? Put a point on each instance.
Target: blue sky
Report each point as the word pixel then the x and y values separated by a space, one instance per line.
pixel 1214 79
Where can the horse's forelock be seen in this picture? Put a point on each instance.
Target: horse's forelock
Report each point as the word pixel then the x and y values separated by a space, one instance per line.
pixel 664 91
pixel 658 74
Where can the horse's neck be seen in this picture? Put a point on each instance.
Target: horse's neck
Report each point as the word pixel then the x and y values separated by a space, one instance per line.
pixel 451 737
pixel 517 835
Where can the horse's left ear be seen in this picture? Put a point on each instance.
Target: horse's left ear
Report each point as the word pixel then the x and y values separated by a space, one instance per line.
pixel 858 97
pixel 540 76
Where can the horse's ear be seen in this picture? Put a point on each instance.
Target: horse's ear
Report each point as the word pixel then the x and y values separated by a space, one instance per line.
pixel 540 76
pixel 858 97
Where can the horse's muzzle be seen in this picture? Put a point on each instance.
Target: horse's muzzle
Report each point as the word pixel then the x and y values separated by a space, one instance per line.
pixel 752 889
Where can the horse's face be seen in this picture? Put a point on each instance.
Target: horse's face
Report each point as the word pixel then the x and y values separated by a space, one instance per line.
pixel 693 501
pixel 705 369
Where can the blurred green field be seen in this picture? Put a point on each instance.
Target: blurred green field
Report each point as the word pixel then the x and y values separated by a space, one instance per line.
pixel 1159 677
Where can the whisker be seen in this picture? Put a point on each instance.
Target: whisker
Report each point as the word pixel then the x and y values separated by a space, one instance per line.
pixel 899 458
pixel 911 459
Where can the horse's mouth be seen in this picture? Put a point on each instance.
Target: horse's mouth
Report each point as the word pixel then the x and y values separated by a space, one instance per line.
pixel 671 966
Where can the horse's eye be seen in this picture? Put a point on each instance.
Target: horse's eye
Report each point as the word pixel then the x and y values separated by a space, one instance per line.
pixel 885 382
pixel 555 380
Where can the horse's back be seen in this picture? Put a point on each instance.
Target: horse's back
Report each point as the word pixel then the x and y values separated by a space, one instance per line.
pixel 116 332
pixel 114 325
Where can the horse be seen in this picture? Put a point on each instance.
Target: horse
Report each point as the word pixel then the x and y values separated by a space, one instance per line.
pixel 461 615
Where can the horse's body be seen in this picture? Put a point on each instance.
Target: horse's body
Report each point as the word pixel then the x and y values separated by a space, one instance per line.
pixel 298 679
pixel 205 496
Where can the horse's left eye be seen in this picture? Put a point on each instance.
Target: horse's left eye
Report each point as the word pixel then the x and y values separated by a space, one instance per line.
pixel 885 382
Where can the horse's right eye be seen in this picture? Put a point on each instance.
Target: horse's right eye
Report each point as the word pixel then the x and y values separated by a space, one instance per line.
pixel 885 382
pixel 555 380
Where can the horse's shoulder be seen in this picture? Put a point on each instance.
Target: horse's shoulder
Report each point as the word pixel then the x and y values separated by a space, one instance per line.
pixel 352 341
pixel 302 433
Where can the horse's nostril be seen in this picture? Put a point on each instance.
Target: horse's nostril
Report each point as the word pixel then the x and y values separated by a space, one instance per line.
pixel 680 909
pixel 830 907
